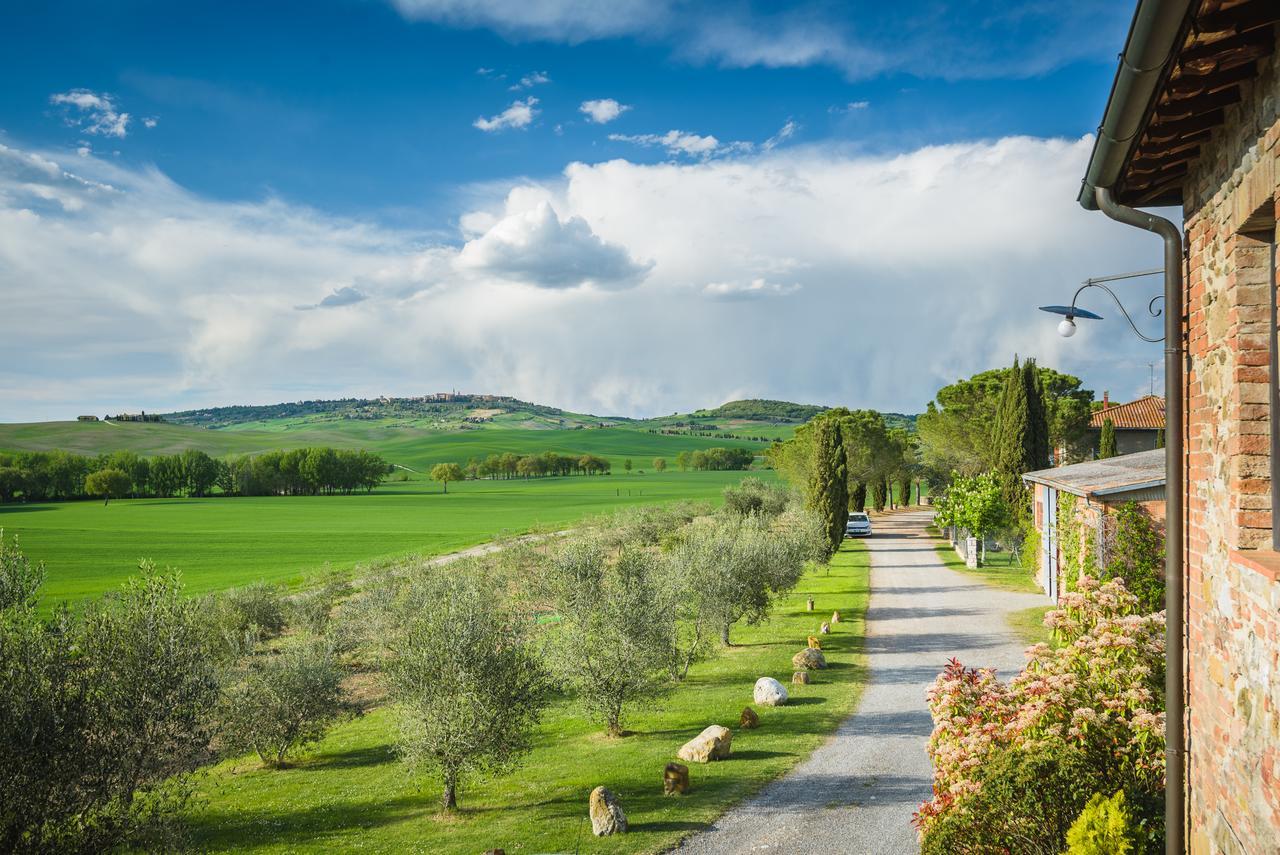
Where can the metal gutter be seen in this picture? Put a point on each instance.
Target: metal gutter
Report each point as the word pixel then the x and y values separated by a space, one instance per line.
pixel 1175 480
pixel 1152 42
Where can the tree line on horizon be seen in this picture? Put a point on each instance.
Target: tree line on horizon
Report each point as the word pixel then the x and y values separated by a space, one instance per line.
pixel 43 475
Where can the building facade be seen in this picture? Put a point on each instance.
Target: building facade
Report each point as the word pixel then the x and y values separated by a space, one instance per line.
pixel 1203 131
pixel 1074 509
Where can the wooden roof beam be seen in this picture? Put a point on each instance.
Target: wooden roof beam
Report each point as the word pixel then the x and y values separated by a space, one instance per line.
pixel 1165 131
pixel 1249 40
pixel 1197 105
pixel 1189 84
pixel 1239 19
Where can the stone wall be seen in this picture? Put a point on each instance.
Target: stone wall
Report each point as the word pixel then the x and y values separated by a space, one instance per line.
pixel 1233 577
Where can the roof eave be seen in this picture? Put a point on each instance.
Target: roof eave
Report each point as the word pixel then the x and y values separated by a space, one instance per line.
pixel 1150 48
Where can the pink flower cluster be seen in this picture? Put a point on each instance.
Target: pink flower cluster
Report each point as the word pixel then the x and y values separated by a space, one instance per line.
pixel 1100 691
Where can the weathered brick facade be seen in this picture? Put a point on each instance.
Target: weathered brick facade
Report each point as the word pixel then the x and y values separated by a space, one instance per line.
pixel 1233 577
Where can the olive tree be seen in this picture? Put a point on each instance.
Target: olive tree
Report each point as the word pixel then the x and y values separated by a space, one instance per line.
pixel 753 496
pixel 284 702
pixel 733 569
pixel 102 718
pixel 614 639
pixel 20 580
pixel 468 684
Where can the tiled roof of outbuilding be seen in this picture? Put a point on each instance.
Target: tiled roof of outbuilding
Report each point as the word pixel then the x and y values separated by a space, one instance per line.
pixel 1146 413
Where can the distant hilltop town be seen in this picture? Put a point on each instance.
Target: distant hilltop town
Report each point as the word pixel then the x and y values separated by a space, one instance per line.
pixel 453 407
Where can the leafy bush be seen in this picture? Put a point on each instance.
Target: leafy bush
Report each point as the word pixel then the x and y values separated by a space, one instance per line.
pixel 1027 801
pixel 469 686
pixel 313 610
pixel 102 718
pixel 284 702
pixel 260 606
pixel 20 581
pixel 1098 697
pixel 1103 828
pixel 754 497
pixel 1135 553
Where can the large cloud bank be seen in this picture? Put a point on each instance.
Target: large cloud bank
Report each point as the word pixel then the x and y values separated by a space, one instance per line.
pixel 812 274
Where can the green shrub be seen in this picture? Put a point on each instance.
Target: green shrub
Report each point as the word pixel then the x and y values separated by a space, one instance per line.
pixel 20 580
pixel 1103 828
pixel 285 702
pixel 754 497
pixel 313 610
pixel 102 719
pixel 259 605
pixel 1135 553
pixel 1025 804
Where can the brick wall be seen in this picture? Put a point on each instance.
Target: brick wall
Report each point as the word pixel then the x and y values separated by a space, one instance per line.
pixel 1233 578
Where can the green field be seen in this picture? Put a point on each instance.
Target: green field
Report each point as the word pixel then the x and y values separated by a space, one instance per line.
pixel 414 447
pixel 219 542
pixel 351 794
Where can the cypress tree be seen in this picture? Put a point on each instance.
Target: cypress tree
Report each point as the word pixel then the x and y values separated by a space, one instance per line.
pixel 1160 438
pixel 829 485
pixel 1013 426
pixel 878 492
pixel 1107 440
pixel 858 497
pixel 1039 445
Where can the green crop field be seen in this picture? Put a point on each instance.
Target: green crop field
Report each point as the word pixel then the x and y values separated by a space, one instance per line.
pixel 223 542
pixel 218 542
pixel 415 447
pixel 351 793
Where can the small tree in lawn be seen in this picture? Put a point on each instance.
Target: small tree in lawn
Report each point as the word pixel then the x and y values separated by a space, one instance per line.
pixel 469 686
pixel 682 460
pixel 659 464
pixel 978 505
pixel 284 702
pixel 614 640
pixel 446 472
pixel 626 464
pixel 1107 440
pixel 108 483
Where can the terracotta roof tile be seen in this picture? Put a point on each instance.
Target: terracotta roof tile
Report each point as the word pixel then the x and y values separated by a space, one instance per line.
pixel 1146 413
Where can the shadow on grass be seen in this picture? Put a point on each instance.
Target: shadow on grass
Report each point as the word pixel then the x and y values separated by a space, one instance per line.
pixel 759 754
pixel 21 509
pixel 374 756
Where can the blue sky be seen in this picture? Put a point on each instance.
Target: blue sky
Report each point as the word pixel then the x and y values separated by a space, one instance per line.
pixel 376 130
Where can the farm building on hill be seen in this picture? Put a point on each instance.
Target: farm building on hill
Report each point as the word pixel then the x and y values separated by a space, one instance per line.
pixel 1083 498
pixel 1138 423
pixel 86 418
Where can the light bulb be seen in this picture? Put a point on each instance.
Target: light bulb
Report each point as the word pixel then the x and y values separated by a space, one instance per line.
pixel 1067 328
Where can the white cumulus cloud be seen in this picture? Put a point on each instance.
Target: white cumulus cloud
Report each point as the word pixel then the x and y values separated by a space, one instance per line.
pixel 519 115
pixel 613 287
pixel 601 111
pixel 536 247
pixel 684 143
pixel 92 112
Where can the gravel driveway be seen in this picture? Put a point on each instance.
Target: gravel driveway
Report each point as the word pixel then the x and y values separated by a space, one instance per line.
pixel 857 792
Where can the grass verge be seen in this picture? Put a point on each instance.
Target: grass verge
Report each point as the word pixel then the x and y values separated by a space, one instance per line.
pixel 1001 570
pixel 1029 625
pixel 352 794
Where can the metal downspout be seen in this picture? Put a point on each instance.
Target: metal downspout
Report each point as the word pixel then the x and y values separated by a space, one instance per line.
pixel 1175 739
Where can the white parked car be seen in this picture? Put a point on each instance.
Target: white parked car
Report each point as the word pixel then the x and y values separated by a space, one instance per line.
pixel 859 525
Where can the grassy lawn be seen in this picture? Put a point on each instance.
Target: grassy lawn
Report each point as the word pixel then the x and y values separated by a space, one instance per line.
pixel 220 542
pixel 1000 570
pixel 1029 624
pixel 350 794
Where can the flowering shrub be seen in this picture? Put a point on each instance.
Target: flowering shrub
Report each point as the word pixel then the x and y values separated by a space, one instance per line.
pixel 1096 702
